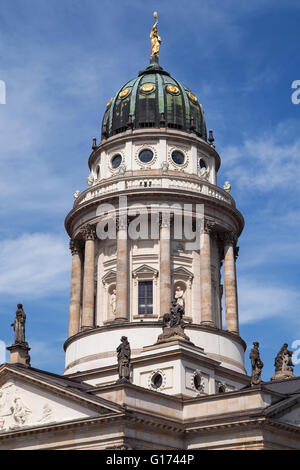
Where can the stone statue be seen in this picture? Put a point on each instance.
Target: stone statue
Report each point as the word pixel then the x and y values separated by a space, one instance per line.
pixel 227 187
pixel 155 38
pixel 173 324
pixel 179 296
pixel 76 194
pixel 19 411
pixel 203 173
pixel 164 166
pixel 19 326
pixel 124 355
pixel 283 363
pixel 90 180
pixel 113 301
pixel 256 364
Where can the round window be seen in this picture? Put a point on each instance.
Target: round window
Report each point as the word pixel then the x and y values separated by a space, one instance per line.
pixel 116 161
pixel 197 382
pixel 157 381
pixel 178 157
pixel 146 156
pixel 202 163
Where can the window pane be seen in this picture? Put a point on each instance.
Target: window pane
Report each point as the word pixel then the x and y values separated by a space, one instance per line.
pixel 145 305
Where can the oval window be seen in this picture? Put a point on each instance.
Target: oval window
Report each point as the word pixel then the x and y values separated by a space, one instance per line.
pixel 116 161
pixel 157 381
pixel 197 382
pixel 178 157
pixel 146 156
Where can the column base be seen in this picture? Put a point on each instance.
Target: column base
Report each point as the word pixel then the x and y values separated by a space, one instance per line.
pixel 211 324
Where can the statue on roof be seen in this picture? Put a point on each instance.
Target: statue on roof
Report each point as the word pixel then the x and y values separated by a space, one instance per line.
pixel 283 360
pixel 173 324
pixel 19 325
pixel 124 354
pixel 155 38
pixel 256 364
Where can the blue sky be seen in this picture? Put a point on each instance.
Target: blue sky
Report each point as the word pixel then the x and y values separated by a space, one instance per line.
pixel 63 60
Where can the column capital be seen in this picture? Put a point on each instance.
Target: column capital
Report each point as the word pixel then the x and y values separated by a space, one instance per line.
pixel 75 246
pixel 88 232
pixel 229 237
pixel 164 219
pixel 208 227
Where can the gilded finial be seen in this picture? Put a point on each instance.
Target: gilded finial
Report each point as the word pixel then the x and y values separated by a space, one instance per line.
pixel 155 38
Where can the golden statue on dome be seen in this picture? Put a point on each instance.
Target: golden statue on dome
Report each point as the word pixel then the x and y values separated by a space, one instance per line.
pixel 155 38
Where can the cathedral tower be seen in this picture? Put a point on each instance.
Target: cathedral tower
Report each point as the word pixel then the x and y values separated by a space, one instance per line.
pixel 154 226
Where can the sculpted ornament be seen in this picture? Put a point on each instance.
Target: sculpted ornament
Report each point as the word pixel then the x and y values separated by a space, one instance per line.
pixel 164 166
pixel 173 324
pixel 19 326
pixel 207 226
pixel 227 187
pixel 113 301
pixel 284 367
pixel 179 293
pixel 124 358
pixel 204 173
pixel 19 411
pixel 89 232
pixel 155 38
pixel 256 364
pixel 90 180
pixel 47 413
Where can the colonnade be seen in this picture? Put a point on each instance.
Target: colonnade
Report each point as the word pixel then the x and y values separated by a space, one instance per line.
pixel 83 320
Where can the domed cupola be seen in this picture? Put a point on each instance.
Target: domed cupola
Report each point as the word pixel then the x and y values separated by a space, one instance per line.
pixel 154 99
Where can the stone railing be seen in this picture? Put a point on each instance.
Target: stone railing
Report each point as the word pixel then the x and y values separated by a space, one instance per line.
pixel 155 182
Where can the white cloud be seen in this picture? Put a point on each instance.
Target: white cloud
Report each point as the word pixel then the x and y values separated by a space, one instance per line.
pixel 264 164
pixel 34 266
pixel 259 301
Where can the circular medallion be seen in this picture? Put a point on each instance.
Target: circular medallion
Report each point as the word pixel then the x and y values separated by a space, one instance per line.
pixel 172 89
pixel 192 97
pixel 147 87
pixel 109 103
pixel 124 93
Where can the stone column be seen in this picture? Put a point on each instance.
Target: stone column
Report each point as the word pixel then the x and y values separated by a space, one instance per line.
pixel 74 316
pixel 122 270
pixel 165 265
pixel 205 272
pixel 231 303
pixel 88 299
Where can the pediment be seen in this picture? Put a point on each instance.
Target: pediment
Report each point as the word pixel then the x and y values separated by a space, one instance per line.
pixel 109 277
pixel 183 273
pixel 145 270
pixel 27 400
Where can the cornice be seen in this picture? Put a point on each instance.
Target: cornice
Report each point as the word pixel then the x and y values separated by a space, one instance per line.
pixel 151 324
pixel 190 196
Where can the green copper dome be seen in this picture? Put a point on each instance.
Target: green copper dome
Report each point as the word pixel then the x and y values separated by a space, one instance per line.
pixel 154 100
